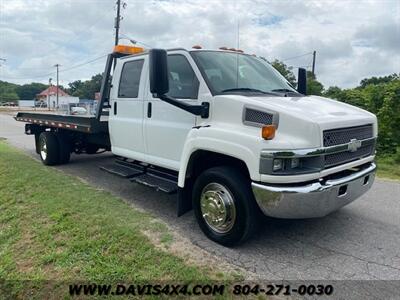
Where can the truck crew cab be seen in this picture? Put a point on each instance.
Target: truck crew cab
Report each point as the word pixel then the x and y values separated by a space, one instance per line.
pixel 226 132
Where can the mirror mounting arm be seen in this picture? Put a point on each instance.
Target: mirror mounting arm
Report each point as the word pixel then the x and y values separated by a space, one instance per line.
pixel 198 110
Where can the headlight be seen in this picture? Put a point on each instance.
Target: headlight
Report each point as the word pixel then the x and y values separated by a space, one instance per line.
pixel 278 164
pixel 291 166
pixel 294 163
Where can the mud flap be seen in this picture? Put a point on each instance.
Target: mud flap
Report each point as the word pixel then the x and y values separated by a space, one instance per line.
pixel 184 201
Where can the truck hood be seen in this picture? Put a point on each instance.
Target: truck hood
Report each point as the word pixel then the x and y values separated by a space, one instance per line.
pixel 323 111
pixel 301 119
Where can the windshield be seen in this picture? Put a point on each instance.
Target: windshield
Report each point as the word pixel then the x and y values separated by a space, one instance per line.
pixel 227 72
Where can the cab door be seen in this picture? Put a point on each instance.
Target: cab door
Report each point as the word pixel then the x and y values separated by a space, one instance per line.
pixel 126 114
pixel 166 126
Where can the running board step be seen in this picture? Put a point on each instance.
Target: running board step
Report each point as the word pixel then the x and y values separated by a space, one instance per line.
pixel 158 178
pixel 159 183
pixel 122 171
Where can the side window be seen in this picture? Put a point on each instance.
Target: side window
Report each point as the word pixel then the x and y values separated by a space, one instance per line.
pixel 130 79
pixel 183 83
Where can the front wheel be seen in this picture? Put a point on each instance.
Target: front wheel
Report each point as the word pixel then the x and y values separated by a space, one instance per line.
pixel 224 205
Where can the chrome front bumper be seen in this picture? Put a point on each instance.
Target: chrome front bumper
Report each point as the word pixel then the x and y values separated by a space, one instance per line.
pixel 313 200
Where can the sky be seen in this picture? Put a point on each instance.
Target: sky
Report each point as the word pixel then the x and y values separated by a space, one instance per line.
pixel 352 39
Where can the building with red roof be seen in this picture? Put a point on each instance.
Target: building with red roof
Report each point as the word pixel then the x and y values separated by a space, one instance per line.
pixel 50 91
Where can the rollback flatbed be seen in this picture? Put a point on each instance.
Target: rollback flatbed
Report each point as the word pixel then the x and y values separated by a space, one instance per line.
pixel 77 133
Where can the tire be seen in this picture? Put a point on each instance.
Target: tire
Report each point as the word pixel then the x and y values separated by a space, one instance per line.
pixel 49 148
pixel 92 149
pixel 65 148
pixel 242 213
pixel 37 144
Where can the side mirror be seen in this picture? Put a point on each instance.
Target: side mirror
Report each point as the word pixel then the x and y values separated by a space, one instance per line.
pixel 302 81
pixel 158 69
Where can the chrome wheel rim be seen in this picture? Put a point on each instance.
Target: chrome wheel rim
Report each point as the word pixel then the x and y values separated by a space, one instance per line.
pixel 218 207
pixel 43 149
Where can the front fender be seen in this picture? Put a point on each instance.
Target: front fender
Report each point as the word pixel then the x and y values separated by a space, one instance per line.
pixel 223 142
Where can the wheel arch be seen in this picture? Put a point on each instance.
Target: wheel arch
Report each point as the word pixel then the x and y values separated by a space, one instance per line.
pixel 199 161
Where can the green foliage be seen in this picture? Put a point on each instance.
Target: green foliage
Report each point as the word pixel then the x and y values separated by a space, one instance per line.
pixel 8 92
pixel 381 97
pixel 29 91
pixel 389 118
pixel 82 89
pixel 314 87
pixel 85 89
pixel 285 71
pixel 377 80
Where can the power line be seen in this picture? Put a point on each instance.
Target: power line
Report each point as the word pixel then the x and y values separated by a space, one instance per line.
pixel 297 56
pixel 84 63
pixel 30 77
pixel 307 66
pixel 61 70
pixel 134 41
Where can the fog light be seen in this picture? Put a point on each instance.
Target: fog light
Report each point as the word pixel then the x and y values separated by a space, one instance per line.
pixel 295 162
pixel 278 164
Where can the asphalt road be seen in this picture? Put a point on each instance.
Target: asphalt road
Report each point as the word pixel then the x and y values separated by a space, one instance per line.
pixel 361 241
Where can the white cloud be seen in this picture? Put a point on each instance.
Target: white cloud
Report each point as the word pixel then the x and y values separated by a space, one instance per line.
pixel 353 39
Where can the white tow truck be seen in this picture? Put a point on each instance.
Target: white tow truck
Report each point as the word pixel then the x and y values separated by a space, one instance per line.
pixel 225 131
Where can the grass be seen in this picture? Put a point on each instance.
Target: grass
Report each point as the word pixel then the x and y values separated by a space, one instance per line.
pixel 388 167
pixel 54 227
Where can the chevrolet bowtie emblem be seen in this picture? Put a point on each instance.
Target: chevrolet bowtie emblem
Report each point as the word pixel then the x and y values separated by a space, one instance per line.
pixel 354 145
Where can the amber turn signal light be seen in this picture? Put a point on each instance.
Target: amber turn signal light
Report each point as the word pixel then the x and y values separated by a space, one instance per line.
pixel 268 132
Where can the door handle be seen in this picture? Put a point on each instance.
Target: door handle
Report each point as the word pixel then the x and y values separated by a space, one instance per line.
pixel 115 107
pixel 149 110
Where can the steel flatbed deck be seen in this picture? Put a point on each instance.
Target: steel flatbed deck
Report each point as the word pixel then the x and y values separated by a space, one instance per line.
pixel 85 124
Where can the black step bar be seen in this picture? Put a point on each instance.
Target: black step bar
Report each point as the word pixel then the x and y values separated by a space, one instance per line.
pixel 158 178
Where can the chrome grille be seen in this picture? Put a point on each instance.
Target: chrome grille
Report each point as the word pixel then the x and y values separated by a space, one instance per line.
pixel 259 117
pixel 347 156
pixel 340 136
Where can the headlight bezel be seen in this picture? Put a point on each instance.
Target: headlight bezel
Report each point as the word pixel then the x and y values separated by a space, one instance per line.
pixel 304 165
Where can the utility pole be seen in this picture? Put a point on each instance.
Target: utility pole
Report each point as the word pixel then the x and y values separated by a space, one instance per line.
pixel 3 59
pixel 57 65
pixel 48 96
pixel 117 20
pixel 313 62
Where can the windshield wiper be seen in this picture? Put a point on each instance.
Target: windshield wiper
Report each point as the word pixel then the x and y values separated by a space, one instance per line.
pixel 249 90
pixel 286 91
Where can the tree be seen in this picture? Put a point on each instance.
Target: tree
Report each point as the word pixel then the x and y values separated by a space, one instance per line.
pixel 334 92
pixel 314 87
pixel 29 91
pixel 389 119
pixel 8 91
pixel 85 89
pixel 74 87
pixel 285 71
pixel 377 80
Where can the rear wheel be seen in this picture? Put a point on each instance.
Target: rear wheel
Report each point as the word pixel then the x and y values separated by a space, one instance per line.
pixel 224 205
pixel 65 148
pixel 37 143
pixel 49 149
